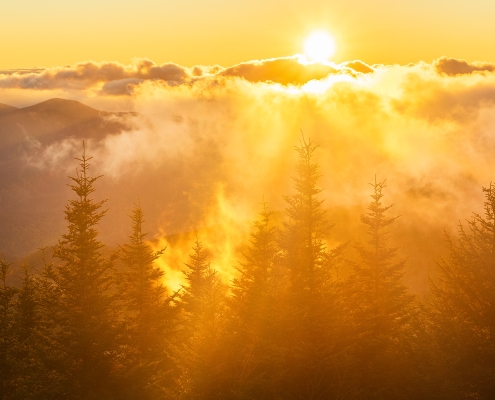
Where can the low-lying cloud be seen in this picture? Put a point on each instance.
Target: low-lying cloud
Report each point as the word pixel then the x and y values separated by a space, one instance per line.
pixel 113 78
pixel 452 66
pixel 224 140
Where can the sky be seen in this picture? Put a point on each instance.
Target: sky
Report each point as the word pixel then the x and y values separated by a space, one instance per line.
pixel 218 88
pixel 225 32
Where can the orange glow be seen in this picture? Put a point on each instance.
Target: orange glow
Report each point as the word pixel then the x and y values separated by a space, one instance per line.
pixel 225 229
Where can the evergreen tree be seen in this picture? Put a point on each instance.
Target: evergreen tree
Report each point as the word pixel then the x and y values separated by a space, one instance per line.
pixel 253 339
pixel 147 315
pixel 26 305
pixel 30 370
pixel 49 377
pixel 198 353
pixel 7 337
pixel 84 313
pixel 379 307
pixel 462 317
pixel 310 293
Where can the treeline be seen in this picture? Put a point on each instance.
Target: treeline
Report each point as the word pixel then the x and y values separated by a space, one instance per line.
pixel 87 326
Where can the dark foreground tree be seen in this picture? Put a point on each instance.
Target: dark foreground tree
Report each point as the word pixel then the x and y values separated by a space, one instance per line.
pixel 463 309
pixel 310 298
pixel 31 373
pixel 255 352
pixel 7 336
pixel 83 316
pixel 147 316
pixel 380 309
pixel 198 353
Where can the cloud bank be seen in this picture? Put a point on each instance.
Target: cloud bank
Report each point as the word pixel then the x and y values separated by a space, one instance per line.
pixel 209 144
pixel 113 78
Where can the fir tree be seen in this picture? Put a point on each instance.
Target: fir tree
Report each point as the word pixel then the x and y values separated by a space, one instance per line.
pixel 30 370
pixel 49 378
pixel 198 354
pixel 379 307
pixel 147 314
pixel 462 317
pixel 253 339
pixel 7 336
pixel 310 295
pixel 84 315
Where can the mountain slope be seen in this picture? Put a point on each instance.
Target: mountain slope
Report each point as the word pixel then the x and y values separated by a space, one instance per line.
pixel 32 199
pixel 55 119
pixel 5 108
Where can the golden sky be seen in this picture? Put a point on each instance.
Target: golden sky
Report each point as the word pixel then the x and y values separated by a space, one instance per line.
pixel 405 122
pixel 190 32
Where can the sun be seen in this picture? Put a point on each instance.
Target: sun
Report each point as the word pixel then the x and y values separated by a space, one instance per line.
pixel 319 46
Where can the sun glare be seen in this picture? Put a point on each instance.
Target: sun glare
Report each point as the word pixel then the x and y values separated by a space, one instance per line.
pixel 319 46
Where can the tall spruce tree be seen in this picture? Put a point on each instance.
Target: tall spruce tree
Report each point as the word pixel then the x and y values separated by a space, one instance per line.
pixel 49 377
pixel 8 362
pixel 30 372
pixel 198 354
pixel 462 317
pixel 147 315
pixel 252 335
pixel 379 307
pixel 310 296
pixel 84 312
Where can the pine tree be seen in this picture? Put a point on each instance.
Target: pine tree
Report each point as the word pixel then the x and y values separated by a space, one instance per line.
pixel 84 314
pixel 380 307
pixel 310 296
pixel 462 317
pixel 198 354
pixel 147 314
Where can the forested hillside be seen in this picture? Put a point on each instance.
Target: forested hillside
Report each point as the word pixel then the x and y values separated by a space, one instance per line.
pixel 306 315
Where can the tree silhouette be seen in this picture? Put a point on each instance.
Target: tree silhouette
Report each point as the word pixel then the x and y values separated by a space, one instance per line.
pixel 31 372
pixel 7 336
pixel 198 352
pixel 253 337
pixel 462 308
pixel 380 307
pixel 147 314
pixel 84 314
pixel 310 296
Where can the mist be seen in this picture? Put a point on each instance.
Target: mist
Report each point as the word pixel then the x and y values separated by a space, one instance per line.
pixel 218 141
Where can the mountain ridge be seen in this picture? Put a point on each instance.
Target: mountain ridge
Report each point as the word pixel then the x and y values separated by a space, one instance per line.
pixel 32 199
pixel 56 119
pixel 5 108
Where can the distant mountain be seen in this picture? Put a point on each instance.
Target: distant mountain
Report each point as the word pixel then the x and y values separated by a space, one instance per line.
pixel 32 199
pixel 34 180
pixel 5 108
pixel 53 120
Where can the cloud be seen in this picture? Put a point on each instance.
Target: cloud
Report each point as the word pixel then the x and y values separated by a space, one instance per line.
pixel 280 70
pixel 225 140
pixel 21 71
pixel 430 135
pixel 88 74
pixel 292 70
pixel 358 66
pixel 120 87
pixel 452 66
pixel 460 100
pixel 115 79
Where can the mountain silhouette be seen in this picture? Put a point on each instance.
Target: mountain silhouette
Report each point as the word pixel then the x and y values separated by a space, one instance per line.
pixel 32 199
pixel 53 120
